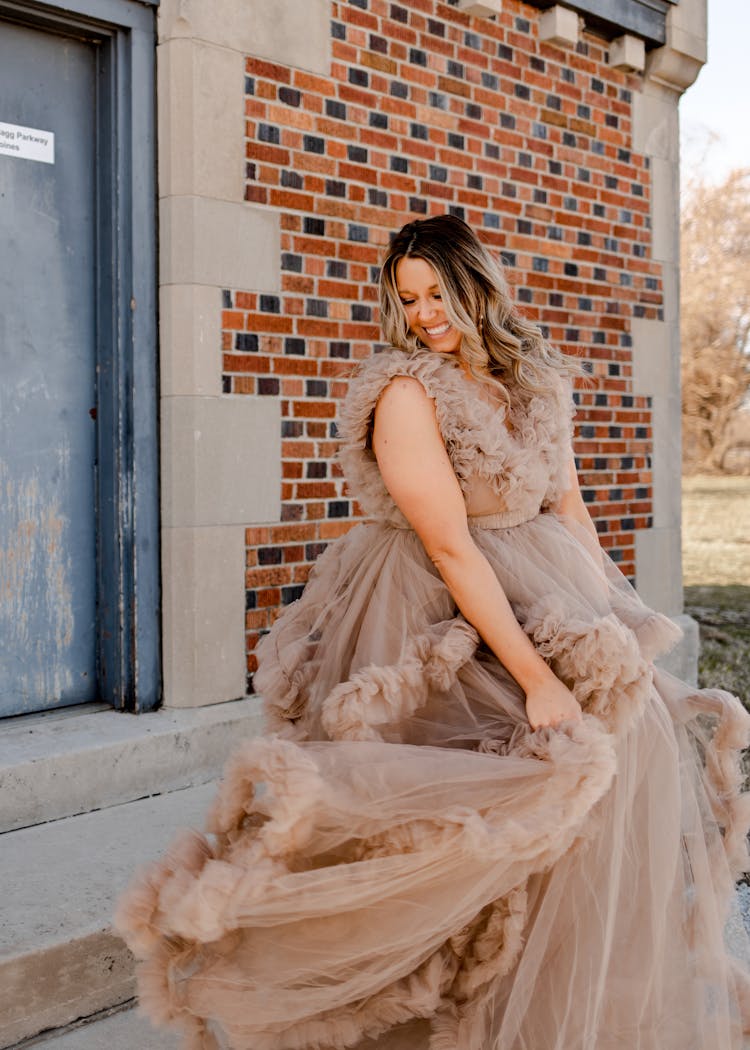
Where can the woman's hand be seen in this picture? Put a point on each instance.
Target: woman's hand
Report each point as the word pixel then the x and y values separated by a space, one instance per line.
pixel 551 703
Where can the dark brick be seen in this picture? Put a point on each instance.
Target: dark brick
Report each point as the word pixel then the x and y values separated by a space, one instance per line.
pixel 246 342
pixel 269 385
pixel 335 188
pixel 292 179
pixel 290 96
pixel 270 555
pixel 269 133
pixel 335 109
pixel 291 262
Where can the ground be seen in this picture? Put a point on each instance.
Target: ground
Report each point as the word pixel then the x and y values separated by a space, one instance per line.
pixel 716 574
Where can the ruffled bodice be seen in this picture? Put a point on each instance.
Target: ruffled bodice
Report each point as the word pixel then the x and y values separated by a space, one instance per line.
pixel 511 463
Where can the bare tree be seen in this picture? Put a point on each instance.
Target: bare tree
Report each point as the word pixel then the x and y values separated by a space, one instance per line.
pixel 715 315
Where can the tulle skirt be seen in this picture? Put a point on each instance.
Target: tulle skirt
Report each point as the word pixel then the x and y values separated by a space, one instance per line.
pixel 402 863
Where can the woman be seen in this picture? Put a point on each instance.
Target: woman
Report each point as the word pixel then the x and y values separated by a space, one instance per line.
pixel 487 822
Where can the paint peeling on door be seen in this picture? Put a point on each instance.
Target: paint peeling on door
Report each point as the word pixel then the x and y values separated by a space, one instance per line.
pixel 36 610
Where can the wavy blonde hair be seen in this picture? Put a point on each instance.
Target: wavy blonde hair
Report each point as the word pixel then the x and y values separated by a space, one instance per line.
pixel 497 343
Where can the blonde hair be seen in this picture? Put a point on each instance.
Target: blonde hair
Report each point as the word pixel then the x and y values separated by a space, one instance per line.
pixel 497 343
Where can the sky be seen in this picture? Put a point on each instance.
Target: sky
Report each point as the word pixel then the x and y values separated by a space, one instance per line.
pixel 717 103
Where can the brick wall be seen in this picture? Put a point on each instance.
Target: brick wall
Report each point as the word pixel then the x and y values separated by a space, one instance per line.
pixel 427 110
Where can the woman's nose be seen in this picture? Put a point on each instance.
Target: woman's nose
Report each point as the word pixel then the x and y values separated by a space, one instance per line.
pixel 426 309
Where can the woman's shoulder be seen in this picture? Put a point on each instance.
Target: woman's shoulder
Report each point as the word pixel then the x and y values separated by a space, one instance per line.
pixel 375 373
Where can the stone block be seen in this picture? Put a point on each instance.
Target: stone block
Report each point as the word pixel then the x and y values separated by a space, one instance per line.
pixel 656 128
pixel 658 569
pixel 665 211
pixel 628 53
pixel 224 244
pixel 203 603
pixel 677 64
pixel 190 340
pixel 559 25
pixel 221 460
pixel 290 32
pixel 653 367
pixel 201 120
pixel 481 8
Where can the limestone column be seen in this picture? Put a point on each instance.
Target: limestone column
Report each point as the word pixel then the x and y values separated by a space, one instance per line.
pixel 220 455
pixel 670 70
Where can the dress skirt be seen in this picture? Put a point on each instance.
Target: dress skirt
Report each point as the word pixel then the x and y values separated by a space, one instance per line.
pixel 403 863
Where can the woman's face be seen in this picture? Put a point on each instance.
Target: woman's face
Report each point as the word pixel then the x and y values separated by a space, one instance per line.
pixel 419 292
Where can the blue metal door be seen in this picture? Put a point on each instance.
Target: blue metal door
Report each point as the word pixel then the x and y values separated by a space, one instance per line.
pixel 48 637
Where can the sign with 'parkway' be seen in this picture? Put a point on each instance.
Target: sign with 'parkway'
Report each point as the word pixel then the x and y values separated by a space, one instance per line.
pixel 27 143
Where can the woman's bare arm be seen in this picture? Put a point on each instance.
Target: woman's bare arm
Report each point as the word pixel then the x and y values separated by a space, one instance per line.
pixel 418 474
pixel 571 507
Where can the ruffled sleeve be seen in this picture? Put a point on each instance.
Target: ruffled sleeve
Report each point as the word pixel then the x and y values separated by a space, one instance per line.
pixel 355 423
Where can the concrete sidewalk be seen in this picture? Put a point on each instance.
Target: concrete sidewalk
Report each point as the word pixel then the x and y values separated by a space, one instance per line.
pixel 124 1030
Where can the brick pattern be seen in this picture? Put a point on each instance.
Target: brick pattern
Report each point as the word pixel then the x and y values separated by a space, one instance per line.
pixel 427 110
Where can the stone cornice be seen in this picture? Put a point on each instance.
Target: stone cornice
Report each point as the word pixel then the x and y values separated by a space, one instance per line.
pixel 642 18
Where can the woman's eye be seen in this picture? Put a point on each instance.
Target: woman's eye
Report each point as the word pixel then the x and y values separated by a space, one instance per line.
pixel 407 302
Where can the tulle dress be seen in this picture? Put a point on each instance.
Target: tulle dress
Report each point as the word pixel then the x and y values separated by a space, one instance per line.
pixel 401 862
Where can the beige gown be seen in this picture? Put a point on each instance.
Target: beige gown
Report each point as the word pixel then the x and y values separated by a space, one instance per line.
pixel 402 863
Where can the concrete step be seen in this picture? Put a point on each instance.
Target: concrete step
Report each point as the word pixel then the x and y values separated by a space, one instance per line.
pixel 76 760
pixel 60 960
pixel 123 1030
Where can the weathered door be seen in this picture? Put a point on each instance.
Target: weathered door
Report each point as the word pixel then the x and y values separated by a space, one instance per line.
pixel 48 527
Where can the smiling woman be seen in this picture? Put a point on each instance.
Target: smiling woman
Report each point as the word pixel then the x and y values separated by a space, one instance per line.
pixel 489 823
pixel 422 300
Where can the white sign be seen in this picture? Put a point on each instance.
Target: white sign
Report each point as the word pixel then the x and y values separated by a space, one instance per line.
pixel 29 143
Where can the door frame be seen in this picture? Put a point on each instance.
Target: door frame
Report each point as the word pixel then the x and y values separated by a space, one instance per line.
pixel 127 473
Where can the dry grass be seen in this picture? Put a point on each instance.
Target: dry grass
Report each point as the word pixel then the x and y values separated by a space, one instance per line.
pixel 716 574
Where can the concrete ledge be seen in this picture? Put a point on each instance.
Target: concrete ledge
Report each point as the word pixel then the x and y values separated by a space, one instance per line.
pixel 59 958
pixel 75 763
